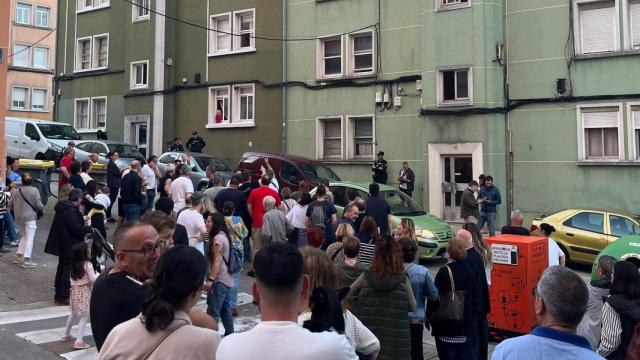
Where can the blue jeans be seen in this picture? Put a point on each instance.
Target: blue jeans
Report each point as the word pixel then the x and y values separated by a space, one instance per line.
pixel 490 219
pixel 151 198
pixel 131 211
pixel 219 305
pixel 236 286
pixel 10 227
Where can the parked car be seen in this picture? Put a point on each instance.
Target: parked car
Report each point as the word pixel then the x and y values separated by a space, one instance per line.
pixel 626 248
pixel 289 169
pixel 198 167
pixel 37 139
pixel 433 233
pixel 126 152
pixel 583 233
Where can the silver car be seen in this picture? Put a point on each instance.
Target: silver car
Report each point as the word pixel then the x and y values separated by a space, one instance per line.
pixel 126 152
pixel 199 165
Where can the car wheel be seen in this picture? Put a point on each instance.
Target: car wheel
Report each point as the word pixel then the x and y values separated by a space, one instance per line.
pixel 202 187
pixel 566 254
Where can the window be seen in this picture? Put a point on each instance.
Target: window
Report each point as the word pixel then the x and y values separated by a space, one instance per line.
pixel 634 23
pixel 587 221
pixel 330 138
pixel 99 113
pixel 39 99
pixel 19 98
pixel 99 148
pixel 362 53
pixel 23 13
pixel 101 51
pixel 621 226
pixel 31 132
pixel 140 10
pixel 85 146
pixel 83 54
pixel 362 135
pixel 451 4
pixel 243 96
pixel 88 5
pixel 455 87
pixel 40 57
pixel 601 132
pixel 220 40
pixel 20 55
pixel 42 16
pixel 244 26
pixel 597 27
pixel 82 114
pixel 219 98
pixel 139 75
pixel 635 128
pixel 289 173
pixel 331 57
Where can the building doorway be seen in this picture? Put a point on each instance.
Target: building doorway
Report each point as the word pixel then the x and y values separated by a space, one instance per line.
pixel 457 173
pixel 140 131
pixel 136 132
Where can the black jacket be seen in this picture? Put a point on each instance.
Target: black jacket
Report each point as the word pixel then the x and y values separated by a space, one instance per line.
pixel 67 228
pixel 195 145
pixel 113 175
pixel 131 189
pixel 411 178
pixel 629 312
pixel 463 279
pixel 474 261
pixel 180 236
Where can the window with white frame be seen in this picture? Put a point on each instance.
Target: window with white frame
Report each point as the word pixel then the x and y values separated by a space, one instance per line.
pixel 362 53
pixel 635 127
pixel 361 137
pixel 452 4
pixel 634 24
pixel 23 13
pixel 244 26
pixel 140 10
pixel 88 5
pixel 20 55
pixel 40 57
pixel 83 54
pixel 330 57
pixel 219 105
pixel 140 75
pixel 100 51
pixel 597 26
pixel 82 114
pixel 243 97
pixel 220 36
pixel 330 138
pixel 455 86
pixel 98 112
pixel 42 16
pixel 19 98
pixel 600 132
pixel 38 99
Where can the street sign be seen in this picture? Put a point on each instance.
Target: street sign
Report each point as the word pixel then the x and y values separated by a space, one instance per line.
pixel 505 254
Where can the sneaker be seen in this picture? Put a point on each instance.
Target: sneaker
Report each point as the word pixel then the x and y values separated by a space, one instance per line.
pixel 29 264
pixel 14 244
pixel 66 338
pixel 19 260
pixel 81 345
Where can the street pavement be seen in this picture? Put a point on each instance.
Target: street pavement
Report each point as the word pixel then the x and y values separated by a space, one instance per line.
pixel 31 324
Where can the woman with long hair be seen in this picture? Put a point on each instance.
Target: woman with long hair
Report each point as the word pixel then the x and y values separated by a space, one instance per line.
pixel 367 235
pixel 334 251
pixel 481 247
pixel 322 275
pixel 220 281
pixel 382 297
pixel 303 188
pixel 164 330
pixel 407 228
pixel 621 311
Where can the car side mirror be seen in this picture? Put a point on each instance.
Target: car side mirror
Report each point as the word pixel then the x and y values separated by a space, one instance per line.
pixel 34 137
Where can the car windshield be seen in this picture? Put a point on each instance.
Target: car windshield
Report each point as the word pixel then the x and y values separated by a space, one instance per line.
pixel 401 204
pixel 315 173
pixel 59 132
pixel 125 150
pixel 204 161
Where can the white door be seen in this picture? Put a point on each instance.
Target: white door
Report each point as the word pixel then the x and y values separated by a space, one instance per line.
pixel 30 141
pixel 140 137
pixel 458 172
pixel 13 136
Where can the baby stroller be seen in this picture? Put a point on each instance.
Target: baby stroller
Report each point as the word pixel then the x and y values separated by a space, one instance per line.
pixel 101 250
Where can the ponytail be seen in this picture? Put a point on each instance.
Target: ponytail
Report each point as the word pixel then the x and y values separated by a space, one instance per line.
pixel 156 311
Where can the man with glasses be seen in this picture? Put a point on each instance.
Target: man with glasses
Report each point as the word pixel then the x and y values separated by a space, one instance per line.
pixel 118 293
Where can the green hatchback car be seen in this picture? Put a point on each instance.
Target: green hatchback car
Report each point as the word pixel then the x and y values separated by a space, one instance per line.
pixel 626 248
pixel 433 233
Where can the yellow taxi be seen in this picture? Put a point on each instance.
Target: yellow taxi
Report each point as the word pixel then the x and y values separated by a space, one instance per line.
pixel 582 233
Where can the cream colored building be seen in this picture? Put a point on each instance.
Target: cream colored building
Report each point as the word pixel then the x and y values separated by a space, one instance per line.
pixel 31 58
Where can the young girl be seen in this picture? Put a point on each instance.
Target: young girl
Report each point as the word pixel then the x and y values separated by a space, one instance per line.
pixel 82 278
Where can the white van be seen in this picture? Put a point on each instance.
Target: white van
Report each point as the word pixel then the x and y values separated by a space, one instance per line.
pixel 37 139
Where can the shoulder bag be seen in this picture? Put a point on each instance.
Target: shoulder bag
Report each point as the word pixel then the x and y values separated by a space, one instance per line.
pixel 39 213
pixel 164 336
pixel 450 304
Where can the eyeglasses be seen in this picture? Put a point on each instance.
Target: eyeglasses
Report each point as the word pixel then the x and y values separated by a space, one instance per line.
pixel 147 251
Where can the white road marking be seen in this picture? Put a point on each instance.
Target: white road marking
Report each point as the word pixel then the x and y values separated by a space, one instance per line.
pixel 86 354
pixel 51 335
pixel 52 312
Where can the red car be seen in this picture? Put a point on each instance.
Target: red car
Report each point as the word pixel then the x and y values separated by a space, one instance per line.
pixel 289 169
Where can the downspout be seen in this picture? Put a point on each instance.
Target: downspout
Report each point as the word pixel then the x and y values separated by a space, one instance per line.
pixel 509 134
pixel 284 76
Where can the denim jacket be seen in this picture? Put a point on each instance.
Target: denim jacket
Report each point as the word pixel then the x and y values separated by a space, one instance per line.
pixel 493 195
pixel 422 286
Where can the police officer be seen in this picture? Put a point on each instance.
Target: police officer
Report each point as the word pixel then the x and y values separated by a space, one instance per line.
pixel 195 142
pixel 379 169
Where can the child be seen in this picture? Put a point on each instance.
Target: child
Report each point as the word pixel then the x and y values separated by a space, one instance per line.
pixel 82 278
pixel 103 196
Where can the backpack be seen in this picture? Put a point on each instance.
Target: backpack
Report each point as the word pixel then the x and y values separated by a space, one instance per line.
pixel 633 349
pixel 234 263
pixel 318 216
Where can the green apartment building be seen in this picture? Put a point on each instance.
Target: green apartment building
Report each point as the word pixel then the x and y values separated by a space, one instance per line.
pixel 146 71
pixel 542 95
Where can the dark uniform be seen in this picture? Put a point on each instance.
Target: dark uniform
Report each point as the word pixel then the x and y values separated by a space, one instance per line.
pixel 379 169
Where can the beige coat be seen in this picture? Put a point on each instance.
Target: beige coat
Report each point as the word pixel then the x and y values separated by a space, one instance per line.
pixel 131 340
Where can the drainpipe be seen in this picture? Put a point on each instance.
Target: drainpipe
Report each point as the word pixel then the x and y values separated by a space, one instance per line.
pixel 509 133
pixel 284 76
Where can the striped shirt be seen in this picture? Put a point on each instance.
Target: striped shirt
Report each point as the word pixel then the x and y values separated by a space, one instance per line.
pixel 611 335
pixel 365 256
pixel 5 196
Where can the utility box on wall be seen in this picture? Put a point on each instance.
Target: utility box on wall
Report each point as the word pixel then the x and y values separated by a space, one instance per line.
pixel 518 264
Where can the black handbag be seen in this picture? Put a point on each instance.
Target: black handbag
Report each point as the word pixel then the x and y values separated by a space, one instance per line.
pixel 39 213
pixel 450 304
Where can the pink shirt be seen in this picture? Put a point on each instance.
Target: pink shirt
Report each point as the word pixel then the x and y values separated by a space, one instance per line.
pixel 223 274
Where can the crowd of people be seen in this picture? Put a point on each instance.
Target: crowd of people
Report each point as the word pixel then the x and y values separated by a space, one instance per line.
pixel 327 287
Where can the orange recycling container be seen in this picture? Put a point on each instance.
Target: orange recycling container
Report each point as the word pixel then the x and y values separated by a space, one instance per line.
pixel 518 264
